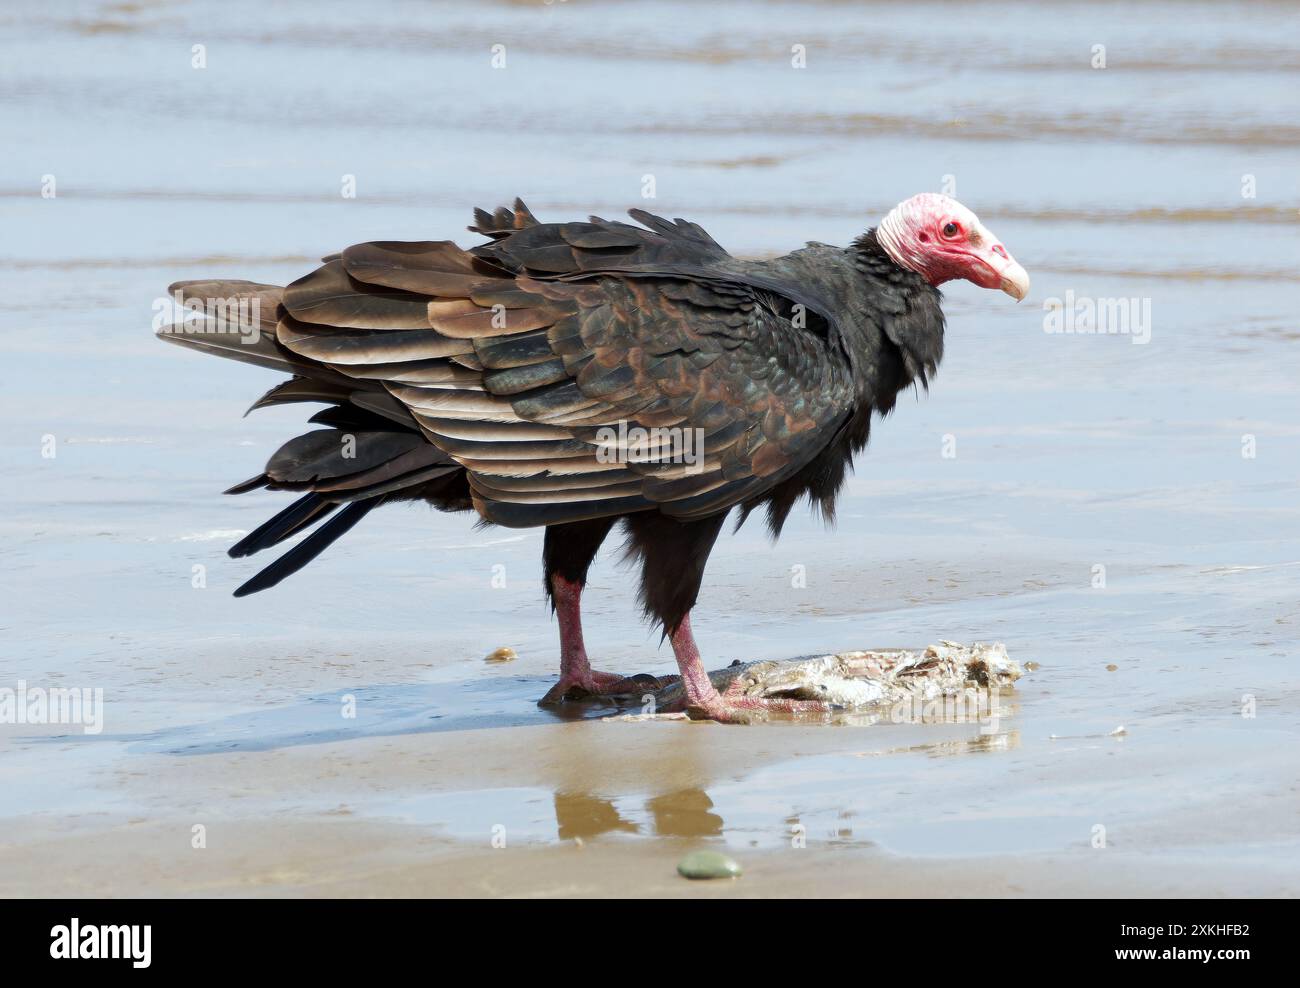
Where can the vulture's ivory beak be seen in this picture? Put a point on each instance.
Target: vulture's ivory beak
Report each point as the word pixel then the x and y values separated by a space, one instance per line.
pixel 994 267
pixel 1015 280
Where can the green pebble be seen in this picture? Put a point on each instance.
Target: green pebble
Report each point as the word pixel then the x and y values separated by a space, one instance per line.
pixel 708 864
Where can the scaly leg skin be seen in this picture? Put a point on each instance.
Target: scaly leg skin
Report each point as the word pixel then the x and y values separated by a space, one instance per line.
pixel 577 678
pixel 703 702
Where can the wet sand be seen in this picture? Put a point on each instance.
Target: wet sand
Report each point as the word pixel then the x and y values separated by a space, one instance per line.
pixel 274 832
pixel 1073 452
pixel 332 860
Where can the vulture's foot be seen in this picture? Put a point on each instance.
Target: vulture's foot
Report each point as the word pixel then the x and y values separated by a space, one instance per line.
pixel 701 699
pixel 591 682
pixel 733 707
pixel 578 681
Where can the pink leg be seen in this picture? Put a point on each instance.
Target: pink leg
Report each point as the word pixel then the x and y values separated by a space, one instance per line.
pixel 704 702
pixel 577 678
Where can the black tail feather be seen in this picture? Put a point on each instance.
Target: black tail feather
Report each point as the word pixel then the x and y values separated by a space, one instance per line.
pixel 251 484
pixel 310 547
pixel 302 512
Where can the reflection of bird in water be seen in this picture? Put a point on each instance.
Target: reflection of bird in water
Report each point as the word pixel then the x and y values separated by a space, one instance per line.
pixel 685 813
pixel 586 816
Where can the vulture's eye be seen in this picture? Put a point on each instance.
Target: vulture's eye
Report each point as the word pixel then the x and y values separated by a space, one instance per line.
pixel 951 230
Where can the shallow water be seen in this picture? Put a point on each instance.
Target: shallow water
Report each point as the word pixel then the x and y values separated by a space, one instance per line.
pixel 1072 451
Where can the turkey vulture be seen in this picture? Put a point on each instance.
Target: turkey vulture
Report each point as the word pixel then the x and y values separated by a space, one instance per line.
pixel 573 375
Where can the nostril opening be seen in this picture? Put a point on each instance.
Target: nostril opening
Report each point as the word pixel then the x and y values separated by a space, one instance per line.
pixel 1000 250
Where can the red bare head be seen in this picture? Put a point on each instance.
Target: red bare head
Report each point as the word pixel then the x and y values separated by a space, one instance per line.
pixel 941 240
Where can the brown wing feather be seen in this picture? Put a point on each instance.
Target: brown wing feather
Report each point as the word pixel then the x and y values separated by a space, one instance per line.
pixel 533 360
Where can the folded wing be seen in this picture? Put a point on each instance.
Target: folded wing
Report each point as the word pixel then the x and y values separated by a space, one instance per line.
pixel 579 370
